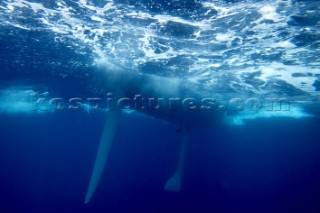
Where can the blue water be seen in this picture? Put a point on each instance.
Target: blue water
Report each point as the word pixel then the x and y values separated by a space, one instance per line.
pixel 263 167
pixel 241 162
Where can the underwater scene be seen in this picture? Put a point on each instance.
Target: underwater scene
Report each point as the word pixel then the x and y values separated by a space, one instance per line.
pixel 160 106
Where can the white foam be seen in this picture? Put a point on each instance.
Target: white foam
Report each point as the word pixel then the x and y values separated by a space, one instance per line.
pixel 283 44
pixel 269 13
pixel 222 11
pixel 285 73
pixel 239 39
pixel 10 7
pixel 242 117
pixel 17 100
pixel 225 37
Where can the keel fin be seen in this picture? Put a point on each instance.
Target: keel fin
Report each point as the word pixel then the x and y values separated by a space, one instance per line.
pixel 174 183
pixel 107 136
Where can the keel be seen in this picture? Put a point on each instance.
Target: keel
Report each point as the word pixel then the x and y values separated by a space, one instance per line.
pixel 109 130
pixel 174 183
